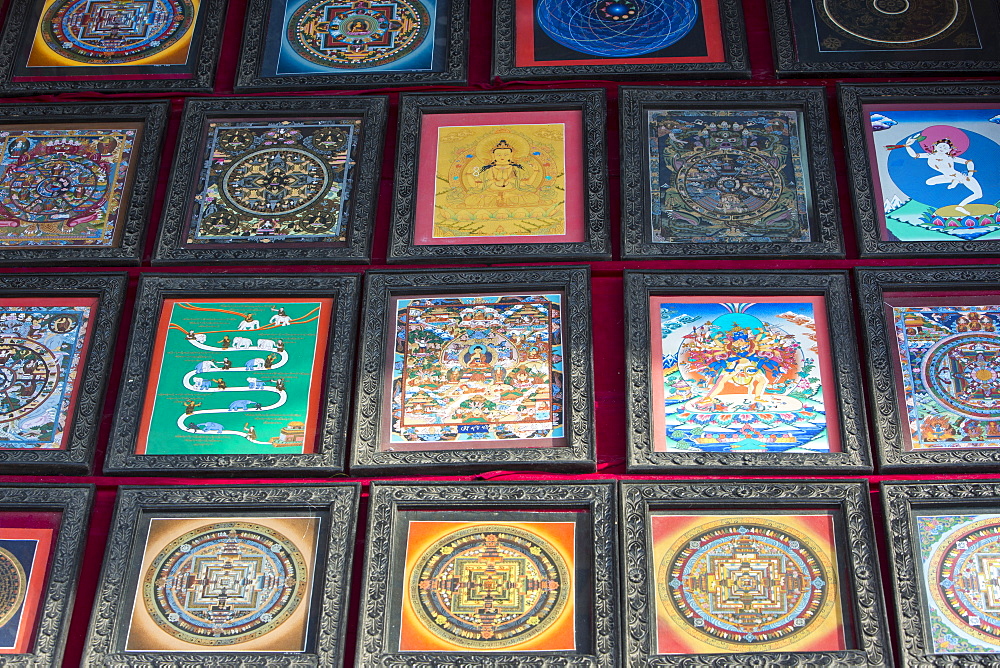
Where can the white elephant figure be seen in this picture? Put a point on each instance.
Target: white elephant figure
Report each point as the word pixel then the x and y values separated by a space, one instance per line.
pixel 241 342
pixel 249 324
pixel 266 344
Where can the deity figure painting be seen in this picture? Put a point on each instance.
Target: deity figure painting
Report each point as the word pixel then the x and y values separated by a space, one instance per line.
pixel 727 176
pixel 743 377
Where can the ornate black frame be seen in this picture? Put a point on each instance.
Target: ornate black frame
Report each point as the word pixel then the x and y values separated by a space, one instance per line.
pixel 834 286
pixel 784 39
pixel 854 539
pixel 120 572
pixel 74 502
pixel 887 422
pixel 412 106
pixel 153 116
pixel 387 499
pixel 153 289
pixel 809 102
pixel 852 97
pixel 185 173
pixel 579 452
pixel 22 17
pixel 735 66
pixel 109 288
pixel 248 73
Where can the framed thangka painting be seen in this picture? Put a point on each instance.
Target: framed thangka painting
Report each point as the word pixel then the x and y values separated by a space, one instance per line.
pixel 299 44
pixel 535 39
pixel 290 179
pixel 240 575
pixel 509 571
pixel 67 45
pixel 503 175
pixel 924 166
pixel 250 373
pixel 474 370
pixel 752 571
pixel 743 370
pixel 852 37
pixel 727 171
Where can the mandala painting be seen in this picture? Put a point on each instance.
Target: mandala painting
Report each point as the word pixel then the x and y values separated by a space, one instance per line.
pixel 936 171
pixel 880 25
pixel 43 346
pixel 960 560
pixel 742 377
pixel 275 181
pixel 727 176
pixel 24 556
pixel 236 376
pixel 477 370
pixel 485 587
pixel 64 187
pixel 745 584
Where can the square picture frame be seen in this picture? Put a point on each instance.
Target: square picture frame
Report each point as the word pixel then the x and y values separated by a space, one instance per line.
pixel 847 40
pixel 766 405
pixel 165 351
pixel 431 48
pixel 945 207
pixel 65 324
pixel 304 531
pixel 547 197
pixel 43 529
pixel 337 141
pixel 926 415
pixel 709 40
pixel 825 528
pixel 513 344
pixel 111 151
pixel 562 532
pixel 782 140
pixel 176 51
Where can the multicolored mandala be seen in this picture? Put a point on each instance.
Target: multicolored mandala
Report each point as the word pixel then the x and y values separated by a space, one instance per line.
pixel 13 586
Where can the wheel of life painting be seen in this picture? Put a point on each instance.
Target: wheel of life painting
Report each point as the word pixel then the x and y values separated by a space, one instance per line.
pixel 29 373
pixel 54 187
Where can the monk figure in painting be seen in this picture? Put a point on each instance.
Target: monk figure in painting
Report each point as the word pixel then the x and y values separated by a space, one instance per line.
pixel 502 182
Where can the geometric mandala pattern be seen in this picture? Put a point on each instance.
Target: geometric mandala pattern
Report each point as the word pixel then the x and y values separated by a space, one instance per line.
pixel 962 373
pixel 13 586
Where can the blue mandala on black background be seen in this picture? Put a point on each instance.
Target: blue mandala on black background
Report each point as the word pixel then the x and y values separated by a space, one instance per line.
pixel 616 28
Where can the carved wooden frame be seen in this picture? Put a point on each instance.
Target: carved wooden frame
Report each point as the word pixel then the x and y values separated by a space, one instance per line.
pixel 56 601
pixel 863 191
pixel 122 559
pixel 380 286
pixel 190 152
pixel 854 539
pixel 849 403
pixel 121 458
pixel 134 213
pixel 736 64
pixel 81 438
pixel 594 498
pixel 820 183
pixel 412 107
pixel 255 34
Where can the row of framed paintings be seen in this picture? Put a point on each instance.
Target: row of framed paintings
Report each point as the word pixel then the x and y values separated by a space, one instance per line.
pixel 470 370
pixel 631 573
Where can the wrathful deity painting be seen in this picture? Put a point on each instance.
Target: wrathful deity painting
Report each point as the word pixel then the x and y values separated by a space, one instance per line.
pixel 225 584
pixel 742 376
pixel 488 587
pixel 43 347
pixel 476 371
pixel 65 186
pixel 936 171
pixel 236 376
pixel 275 181
pixel 727 176
pixel 24 560
pixel 745 583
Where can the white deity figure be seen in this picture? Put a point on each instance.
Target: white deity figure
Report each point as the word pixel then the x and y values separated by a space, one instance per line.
pixel 943 159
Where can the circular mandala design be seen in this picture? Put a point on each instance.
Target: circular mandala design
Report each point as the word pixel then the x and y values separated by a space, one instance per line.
pixel 276 181
pixel 729 185
pixel 962 373
pixel 54 187
pixel 489 587
pixel 111 32
pixel 744 585
pixel 894 23
pixel 224 583
pixel 29 374
pixel 13 586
